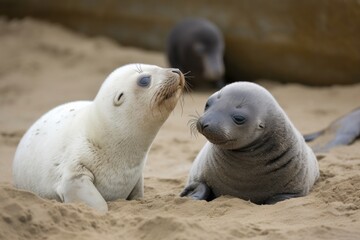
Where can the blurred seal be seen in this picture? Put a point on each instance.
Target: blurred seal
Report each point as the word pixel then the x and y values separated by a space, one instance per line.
pixel 342 131
pixel 95 151
pixel 196 46
pixel 253 152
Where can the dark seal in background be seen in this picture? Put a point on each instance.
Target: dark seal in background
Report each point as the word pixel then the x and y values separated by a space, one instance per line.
pixel 196 46
pixel 310 42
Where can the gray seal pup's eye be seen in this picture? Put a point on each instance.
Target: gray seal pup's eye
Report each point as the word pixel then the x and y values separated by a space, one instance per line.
pixel 208 103
pixel 238 119
pixel 144 81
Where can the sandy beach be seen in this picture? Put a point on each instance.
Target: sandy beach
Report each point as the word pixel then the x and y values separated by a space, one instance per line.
pixel 43 65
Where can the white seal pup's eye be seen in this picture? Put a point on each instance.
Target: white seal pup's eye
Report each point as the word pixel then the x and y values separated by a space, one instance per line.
pixel 118 99
pixel 144 81
pixel 238 119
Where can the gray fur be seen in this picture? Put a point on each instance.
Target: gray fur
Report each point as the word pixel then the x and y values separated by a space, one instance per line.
pixel 196 45
pixel 264 160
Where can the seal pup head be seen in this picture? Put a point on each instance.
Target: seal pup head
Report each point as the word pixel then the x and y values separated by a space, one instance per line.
pixel 197 45
pixel 139 94
pixel 237 116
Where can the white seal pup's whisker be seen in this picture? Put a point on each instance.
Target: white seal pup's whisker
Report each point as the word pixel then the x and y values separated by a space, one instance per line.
pixel 188 76
pixel 138 68
pixel 182 102
pixel 188 87
pixel 187 73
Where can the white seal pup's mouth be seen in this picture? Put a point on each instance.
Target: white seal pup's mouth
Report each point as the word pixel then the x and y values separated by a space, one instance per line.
pixel 172 87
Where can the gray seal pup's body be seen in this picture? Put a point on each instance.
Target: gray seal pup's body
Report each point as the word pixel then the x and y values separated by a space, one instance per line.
pixel 253 152
pixel 196 45
pixel 95 151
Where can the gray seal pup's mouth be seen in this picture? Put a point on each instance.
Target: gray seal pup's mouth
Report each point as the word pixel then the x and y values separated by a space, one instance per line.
pixel 220 142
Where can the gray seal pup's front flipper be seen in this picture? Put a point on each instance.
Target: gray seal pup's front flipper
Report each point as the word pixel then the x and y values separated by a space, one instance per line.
pixel 343 131
pixel 198 191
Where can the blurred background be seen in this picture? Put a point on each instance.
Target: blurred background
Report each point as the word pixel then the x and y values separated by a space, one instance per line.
pixel 310 42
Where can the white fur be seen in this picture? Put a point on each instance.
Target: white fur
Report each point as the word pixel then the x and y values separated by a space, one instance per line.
pixel 92 151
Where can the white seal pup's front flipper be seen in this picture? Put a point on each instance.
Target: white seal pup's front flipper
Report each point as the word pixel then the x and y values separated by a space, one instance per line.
pixel 81 189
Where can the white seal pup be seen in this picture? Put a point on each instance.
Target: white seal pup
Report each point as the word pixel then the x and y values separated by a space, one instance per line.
pixel 95 151
pixel 253 152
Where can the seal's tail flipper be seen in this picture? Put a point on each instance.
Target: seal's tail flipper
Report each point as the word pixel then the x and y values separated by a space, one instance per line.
pixel 343 131
pixel 312 136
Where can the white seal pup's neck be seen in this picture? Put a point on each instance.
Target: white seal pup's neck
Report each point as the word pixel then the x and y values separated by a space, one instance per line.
pixel 119 137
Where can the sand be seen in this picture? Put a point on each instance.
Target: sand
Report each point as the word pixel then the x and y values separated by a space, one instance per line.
pixel 43 65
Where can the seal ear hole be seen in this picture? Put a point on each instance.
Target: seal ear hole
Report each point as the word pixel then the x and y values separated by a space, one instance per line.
pixel 118 99
pixel 261 125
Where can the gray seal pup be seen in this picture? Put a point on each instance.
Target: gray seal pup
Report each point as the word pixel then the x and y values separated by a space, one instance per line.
pixel 342 131
pixel 253 152
pixel 95 151
pixel 196 45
